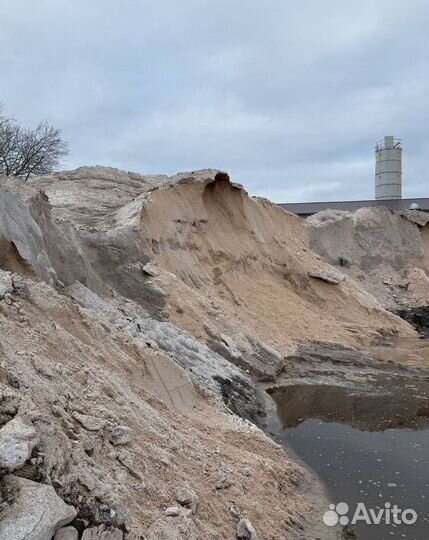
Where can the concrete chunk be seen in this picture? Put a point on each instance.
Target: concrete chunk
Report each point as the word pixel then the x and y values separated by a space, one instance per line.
pixel 91 423
pixel 246 531
pixel 35 513
pixel 17 441
pixel 330 277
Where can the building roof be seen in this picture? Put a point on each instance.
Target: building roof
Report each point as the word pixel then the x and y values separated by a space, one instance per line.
pixel 307 209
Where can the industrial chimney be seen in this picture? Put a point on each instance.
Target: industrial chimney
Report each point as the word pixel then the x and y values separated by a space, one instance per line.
pixel 388 169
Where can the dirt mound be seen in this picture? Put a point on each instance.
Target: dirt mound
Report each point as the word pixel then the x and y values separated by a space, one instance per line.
pixel 251 263
pixel 137 312
pixel 228 264
pixel 386 251
pixel 77 378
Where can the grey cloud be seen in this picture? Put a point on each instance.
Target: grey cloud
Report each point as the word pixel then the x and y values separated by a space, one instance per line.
pixel 290 97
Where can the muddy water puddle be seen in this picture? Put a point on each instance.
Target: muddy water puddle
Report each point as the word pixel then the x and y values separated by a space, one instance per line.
pixel 368 445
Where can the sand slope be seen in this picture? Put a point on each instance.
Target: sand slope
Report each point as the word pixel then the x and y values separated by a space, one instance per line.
pixel 154 303
pixel 386 251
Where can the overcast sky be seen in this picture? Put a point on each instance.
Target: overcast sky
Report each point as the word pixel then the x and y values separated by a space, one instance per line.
pixel 288 96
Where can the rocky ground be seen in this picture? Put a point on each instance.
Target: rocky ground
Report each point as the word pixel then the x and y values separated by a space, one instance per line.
pixel 139 316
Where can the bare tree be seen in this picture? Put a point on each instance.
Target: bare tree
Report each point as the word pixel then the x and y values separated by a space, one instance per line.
pixel 9 131
pixel 29 152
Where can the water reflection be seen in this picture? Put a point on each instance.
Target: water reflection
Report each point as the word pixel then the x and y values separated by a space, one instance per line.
pixel 368 445
pixel 385 402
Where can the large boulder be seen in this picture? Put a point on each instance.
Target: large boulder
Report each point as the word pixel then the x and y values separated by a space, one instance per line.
pixel 35 513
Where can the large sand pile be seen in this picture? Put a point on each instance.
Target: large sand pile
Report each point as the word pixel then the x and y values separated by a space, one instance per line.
pixel 253 261
pixel 135 314
pixel 386 251
pixel 219 246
